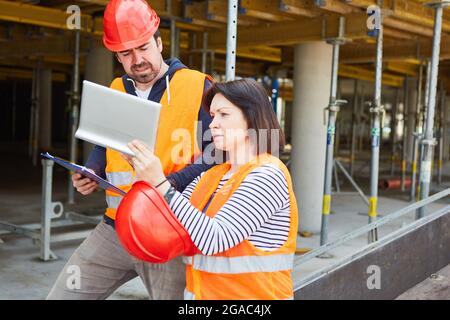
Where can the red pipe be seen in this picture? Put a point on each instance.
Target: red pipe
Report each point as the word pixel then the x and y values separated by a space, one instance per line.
pixel 393 184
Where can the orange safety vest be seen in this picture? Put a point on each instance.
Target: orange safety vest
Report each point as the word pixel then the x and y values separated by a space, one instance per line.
pixel 176 142
pixel 244 271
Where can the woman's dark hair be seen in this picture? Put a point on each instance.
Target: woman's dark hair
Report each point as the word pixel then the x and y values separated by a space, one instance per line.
pixel 252 99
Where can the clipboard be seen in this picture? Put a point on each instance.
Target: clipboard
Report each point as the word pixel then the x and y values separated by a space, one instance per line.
pixel 102 183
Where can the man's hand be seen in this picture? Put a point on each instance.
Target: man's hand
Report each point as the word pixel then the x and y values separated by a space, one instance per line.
pixel 84 185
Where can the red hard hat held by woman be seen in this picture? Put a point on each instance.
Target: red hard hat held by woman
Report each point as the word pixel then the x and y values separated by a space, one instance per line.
pixel 148 229
pixel 128 24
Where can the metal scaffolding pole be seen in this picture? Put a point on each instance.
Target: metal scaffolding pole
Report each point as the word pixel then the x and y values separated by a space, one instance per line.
pixel 204 51
pixel 37 110
pixel 177 41
pixel 14 111
pixel 173 37
pixel 34 101
pixel 416 135
pixel 47 210
pixel 231 40
pixel 416 139
pixel 192 47
pixel 74 114
pixel 376 109
pixel 405 133
pixel 212 61
pixel 394 128
pixel 354 126
pixel 427 92
pixel 333 109
pixel 173 30
pixel 423 126
pixel 441 133
pixel 360 135
pixel 428 141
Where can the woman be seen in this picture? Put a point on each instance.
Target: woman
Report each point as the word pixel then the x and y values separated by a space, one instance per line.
pixel 241 214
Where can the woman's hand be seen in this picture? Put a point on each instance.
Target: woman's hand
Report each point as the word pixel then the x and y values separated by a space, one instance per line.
pixel 147 166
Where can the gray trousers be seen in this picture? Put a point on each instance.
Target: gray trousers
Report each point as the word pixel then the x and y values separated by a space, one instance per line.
pixel 104 265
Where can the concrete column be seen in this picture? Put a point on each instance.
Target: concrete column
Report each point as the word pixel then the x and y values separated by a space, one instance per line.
pixel 411 119
pixel 312 79
pixel 45 109
pixel 99 69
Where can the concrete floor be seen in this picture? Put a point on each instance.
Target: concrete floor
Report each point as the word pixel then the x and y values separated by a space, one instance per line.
pixel 436 287
pixel 24 276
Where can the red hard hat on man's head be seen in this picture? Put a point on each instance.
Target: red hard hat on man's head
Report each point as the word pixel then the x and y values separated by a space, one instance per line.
pixel 148 229
pixel 128 24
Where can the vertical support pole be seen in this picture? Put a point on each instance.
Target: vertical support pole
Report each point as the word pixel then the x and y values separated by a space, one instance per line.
pixel 192 47
pixel 405 132
pixel 360 134
pixel 177 41
pixel 37 107
pixel 274 95
pixel 426 96
pixel 173 37
pixel 34 100
pixel 412 193
pixel 74 114
pixel 333 109
pixel 375 110
pixel 173 30
pixel 394 128
pixel 231 40
pixel 428 141
pixel 441 133
pixel 416 135
pixel 336 177
pixel 46 210
pixel 423 127
pixel 204 51
pixel 354 126
pixel 212 60
pixel 14 111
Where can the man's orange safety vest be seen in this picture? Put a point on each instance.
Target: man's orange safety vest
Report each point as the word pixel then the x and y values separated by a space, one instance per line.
pixel 176 143
pixel 244 271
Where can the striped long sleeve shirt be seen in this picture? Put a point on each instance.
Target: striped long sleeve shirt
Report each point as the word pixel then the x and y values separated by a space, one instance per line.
pixel 258 211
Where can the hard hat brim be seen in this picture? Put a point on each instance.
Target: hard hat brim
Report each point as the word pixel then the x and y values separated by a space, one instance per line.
pixel 118 47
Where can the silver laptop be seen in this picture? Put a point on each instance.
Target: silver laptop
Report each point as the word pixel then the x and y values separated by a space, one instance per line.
pixel 111 118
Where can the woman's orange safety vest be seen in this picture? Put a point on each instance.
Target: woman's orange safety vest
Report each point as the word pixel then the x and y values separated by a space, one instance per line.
pixel 176 143
pixel 244 271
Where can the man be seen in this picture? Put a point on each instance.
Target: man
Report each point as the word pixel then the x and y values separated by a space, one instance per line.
pixel 131 31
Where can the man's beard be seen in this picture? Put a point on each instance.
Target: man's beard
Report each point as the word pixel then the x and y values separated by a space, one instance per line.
pixel 144 77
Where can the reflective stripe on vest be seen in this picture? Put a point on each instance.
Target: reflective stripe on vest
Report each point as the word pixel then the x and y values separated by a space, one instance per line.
pixel 113 202
pixel 188 295
pixel 245 264
pixel 120 178
pixel 187 260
